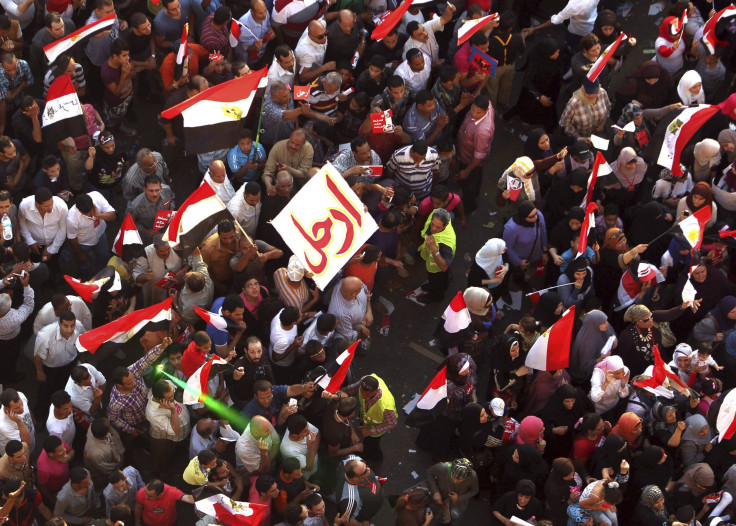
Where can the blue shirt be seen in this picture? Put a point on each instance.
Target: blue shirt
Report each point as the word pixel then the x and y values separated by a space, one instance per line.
pixel 171 28
pixel 568 256
pixel 271 414
pixel 418 126
pixel 236 159
pixel 23 74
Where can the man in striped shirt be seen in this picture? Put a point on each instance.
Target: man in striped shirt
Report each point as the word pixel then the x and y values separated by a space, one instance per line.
pixel 414 167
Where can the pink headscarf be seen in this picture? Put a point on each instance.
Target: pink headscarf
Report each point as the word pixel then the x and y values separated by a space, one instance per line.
pixel 612 363
pixel 728 106
pixel 530 430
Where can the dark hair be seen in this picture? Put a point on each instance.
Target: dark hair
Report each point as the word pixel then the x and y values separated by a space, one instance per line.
pixel 371 253
pixel 12 447
pixel 60 64
pixel 411 27
pixel 289 315
pixel 369 383
pixel 152 179
pixel 67 315
pixel 120 513
pixel 51 443
pixel 448 72
pixel 395 81
pixel 588 41
pixel 685 513
pixel 282 50
pixel 612 496
pixel 232 302
pixel 222 15
pixel 245 133
pixel 420 147
pixel 60 398
pixel 58 299
pixel 350 467
pixel 118 46
pixel 478 39
pixel 482 101
pixel 313 500
pixel 79 373
pixel 4 22
pixel 391 219
pixel 346 406
pixel 116 476
pixel 378 61
pixel 413 53
pixel 10 486
pixel 137 18
pixel 264 483
pixel 506 21
pixel 52 17
pixel 261 386
pixel 296 424
pixel 226 225
pixel 440 192
pixel 156 486
pixel 8 396
pixel 293 514
pixel 474 9
pixel 43 195
pixel 78 474
pixel 160 388
pixel 423 97
pixel 5 195
pixel 357 142
pixel 100 427
pixel 85 203
pixel 206 456
pixel 326 322
pixel 118 374
pixel 290 464
pixel 252 188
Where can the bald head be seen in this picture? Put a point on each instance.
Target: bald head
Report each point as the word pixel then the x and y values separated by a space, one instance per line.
pixel 259 427
pixel 346 20
pixel 351 287
pixel 218 172
pixel 258 10
pixel 205 427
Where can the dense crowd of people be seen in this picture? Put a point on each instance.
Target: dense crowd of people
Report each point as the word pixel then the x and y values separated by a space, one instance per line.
pixel 408 120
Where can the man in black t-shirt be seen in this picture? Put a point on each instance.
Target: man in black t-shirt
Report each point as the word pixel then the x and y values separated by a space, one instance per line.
pixel 359 492
pixel 142 56
pixel 255 367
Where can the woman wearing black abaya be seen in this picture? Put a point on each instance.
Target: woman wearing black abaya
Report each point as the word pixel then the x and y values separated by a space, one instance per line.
pixel 615 257
pixel 481 434
pixel 650 85
pixel 652 466
pixel 563 202
pixel 558 489
pixel 541 86
pixel 521 461
pixel 508 372
pixel 548 155
pixel 548 310
pixel 650 221
pixel 564 409
pixel 610 454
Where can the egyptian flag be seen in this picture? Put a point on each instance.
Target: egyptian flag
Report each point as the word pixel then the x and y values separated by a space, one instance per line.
pixel 534 296
pixel 436 391
pixel 124 328
pixel 198 384
pixel 196 218
pixel 231 512
pixel 693 226
pixel 213 118
pixel 724 232
pixel 331 381
pixel 551 351
pixel 234 33
pixel 726 421
pixel 218 321
pixel 62 115
pixel 57 47
pixel 456 315
pixel 679 132
pixel 588 224
pixel 385 27
pixel 710 31
pixel 471 27
pixel 600 64
pixel 688 290
pixel 182 55
pixel 86 289
pixel 128 241
pixel 600 168
pixel 660 374
pixel 630 286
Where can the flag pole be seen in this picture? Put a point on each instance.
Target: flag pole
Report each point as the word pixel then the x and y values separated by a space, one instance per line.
pixel 260 120
pixel 667 231
pixel 550 288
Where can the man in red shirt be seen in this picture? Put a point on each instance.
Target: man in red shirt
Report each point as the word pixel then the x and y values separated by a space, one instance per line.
pixel 195 355
pixel 155 504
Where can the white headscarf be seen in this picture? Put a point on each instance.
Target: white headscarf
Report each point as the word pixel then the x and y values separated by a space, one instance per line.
pixel 688 80
pixel 707 153
pixel 490 256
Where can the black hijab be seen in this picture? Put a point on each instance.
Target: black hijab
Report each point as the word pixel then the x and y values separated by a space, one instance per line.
pixel 544 312
pixel 579 264
pixel 531 148
pixel 531 465
pixel 502 360
pixel 646 469
pixel 522 212
pixel 609 455
pixel 556 414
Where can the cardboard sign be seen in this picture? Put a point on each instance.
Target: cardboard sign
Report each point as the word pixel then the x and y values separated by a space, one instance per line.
pixel 485 63
pixel 162 219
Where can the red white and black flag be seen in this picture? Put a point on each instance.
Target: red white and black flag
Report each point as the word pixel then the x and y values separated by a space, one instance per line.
pixel 680 131
pixel 232 512
pixel 196 218
pixel 716 26
pixel 213 118
pixel 62 114
pixel 128 243
pixel 123 329
pixel 57 47
pixel 198 384
pixel 331 381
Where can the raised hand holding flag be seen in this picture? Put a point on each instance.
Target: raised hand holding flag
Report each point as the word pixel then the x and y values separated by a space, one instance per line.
pixel 551 351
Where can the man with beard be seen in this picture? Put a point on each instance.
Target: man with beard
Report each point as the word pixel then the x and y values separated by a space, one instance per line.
pixel 255 367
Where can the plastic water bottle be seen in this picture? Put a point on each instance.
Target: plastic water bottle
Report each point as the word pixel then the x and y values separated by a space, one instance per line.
pixel 7 228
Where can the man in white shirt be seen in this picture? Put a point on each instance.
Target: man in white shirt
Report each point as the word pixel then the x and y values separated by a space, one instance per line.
pixel 283 67
pixel 284 343
pixel 85 386
pixel 15 420
pixel 50 312
pixel 245 206
pixel 415 70
pixel 310 53
pixel 422 36
pixel 169 424
pixel 61 421
pixel 216 176
pixel 55 355
pixel 43 223
pixel 582 15
pixel 85 230
pixel 301 441
pixel 256 448
pixel 251 46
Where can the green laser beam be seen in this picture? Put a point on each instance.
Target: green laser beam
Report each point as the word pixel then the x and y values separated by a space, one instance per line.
pixel 236 419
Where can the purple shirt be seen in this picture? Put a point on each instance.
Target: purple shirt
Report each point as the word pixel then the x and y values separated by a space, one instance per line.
pixel 475 137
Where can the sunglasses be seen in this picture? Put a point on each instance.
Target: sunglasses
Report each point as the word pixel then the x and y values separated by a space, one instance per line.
pixel 632 161
pixel 647 319
pixel 323 35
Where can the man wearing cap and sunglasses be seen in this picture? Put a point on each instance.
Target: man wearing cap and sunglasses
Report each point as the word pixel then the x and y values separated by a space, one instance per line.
pixel 359 492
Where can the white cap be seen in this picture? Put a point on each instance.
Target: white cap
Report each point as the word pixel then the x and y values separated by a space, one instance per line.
pixel 294 270
pixel 498 406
